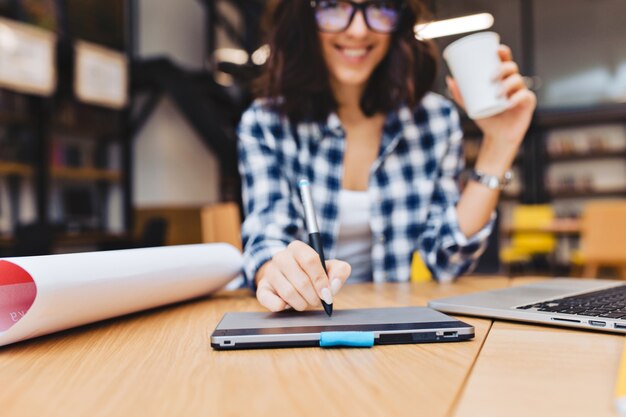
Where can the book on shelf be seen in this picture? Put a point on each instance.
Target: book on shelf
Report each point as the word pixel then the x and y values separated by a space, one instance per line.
pixel 16 145
pixel 78 153
pixel 586 177
pixel 12 103
pixel 587 140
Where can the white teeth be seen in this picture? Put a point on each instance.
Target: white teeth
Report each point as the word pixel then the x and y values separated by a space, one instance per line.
pixel 354 53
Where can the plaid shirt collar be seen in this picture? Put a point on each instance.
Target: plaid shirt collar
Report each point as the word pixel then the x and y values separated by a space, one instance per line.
pixel 392 129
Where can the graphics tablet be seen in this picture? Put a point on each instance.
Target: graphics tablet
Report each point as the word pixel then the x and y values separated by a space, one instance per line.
pixel 299 329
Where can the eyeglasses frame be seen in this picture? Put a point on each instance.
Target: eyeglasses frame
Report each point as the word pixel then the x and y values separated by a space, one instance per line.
pixel 356 7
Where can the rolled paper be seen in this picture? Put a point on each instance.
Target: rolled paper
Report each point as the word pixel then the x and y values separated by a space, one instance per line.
pixel 45 294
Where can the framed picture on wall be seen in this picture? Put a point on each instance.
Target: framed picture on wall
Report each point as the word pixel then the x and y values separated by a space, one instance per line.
pixel 27 58
pixel 101 75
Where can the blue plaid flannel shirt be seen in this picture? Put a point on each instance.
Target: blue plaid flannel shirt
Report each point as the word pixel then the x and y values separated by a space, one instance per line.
pixel 413 188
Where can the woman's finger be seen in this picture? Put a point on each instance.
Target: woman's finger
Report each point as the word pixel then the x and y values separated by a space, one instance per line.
pixel 285 290
pixel 522 98
pixel 507 69
pixel 288 266
pixel 504 52
pixel 513 84
pixel 338 272
pixel 269 299
pixel 309 262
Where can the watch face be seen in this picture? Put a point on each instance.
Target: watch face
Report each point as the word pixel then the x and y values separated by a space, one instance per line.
pixel 493 182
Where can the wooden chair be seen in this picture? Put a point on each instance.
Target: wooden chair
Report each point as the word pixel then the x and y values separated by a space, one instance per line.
pixel 603 237
pixel 221 223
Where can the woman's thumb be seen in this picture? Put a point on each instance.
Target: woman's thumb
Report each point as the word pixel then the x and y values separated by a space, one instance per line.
pixel 338 273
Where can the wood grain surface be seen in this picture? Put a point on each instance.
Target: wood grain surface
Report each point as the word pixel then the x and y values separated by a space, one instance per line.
pixel 160 363
pixel 539 371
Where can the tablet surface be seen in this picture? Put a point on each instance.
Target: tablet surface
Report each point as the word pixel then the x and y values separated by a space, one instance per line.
pixel 299 329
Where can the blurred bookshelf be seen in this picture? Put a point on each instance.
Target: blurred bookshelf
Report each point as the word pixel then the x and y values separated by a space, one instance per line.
pixel 15 168
pixel 86 174
pixel 13 119
pixel 64 162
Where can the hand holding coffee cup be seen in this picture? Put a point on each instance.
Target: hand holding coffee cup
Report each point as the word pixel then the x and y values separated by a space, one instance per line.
pixel 489 87
pixel 475 65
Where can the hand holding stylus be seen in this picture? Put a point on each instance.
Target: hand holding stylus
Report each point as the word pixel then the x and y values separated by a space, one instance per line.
pixel 295 277
pixel 300 276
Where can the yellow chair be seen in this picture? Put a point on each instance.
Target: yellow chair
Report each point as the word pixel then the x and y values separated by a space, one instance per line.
pixel 603 238
pixel 528 237
pixel 419 270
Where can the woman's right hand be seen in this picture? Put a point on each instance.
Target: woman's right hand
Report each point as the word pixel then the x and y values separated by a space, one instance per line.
pixel 295 277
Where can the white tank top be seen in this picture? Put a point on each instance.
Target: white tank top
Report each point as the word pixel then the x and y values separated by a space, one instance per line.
pixel 354 242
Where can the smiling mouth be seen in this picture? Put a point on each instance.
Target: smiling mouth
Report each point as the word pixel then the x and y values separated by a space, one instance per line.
pixel 354 53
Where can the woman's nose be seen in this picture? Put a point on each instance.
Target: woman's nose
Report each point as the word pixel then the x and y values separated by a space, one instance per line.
pixel 358 27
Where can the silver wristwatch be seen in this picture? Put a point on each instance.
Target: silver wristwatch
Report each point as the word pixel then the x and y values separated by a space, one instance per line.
pixel 491 181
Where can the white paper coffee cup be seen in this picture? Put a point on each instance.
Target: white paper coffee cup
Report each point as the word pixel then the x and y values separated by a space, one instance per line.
pixel 474 64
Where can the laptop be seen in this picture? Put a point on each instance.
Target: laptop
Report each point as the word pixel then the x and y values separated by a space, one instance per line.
pixel 584 303
pixel 400 325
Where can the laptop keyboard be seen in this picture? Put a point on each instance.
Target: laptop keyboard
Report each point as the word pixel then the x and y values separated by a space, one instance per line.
pixel 610 303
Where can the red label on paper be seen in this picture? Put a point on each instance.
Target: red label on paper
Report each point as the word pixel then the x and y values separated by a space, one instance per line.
pixel 13 274
pixel 17 294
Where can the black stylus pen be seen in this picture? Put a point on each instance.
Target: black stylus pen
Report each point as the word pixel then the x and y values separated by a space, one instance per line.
pixel 315 239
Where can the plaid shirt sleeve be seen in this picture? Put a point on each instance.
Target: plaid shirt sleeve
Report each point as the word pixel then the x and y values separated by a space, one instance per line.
pixel 271 220
pixel 446 251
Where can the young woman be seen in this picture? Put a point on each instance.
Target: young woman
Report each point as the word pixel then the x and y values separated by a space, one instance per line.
pixel 346 105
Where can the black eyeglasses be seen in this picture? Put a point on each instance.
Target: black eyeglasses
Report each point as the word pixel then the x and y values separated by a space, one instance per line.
pixel 334 16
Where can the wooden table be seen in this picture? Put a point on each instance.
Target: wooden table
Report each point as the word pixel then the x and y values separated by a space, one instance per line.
pixel 557 226
pixel 527 370
pixel 160 363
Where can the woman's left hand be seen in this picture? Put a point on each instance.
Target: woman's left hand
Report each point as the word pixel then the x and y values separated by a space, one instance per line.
pixel 505 131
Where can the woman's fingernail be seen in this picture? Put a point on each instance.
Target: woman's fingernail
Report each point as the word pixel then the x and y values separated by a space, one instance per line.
pixel 327 296
pixel 335 285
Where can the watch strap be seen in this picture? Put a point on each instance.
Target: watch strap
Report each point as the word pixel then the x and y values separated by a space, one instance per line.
pixel 492 182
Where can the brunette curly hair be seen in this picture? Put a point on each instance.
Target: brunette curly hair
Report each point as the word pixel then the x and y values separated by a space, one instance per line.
pixel 296 80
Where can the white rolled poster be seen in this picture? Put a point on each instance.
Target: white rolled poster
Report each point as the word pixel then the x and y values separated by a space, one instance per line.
pixel 45 294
